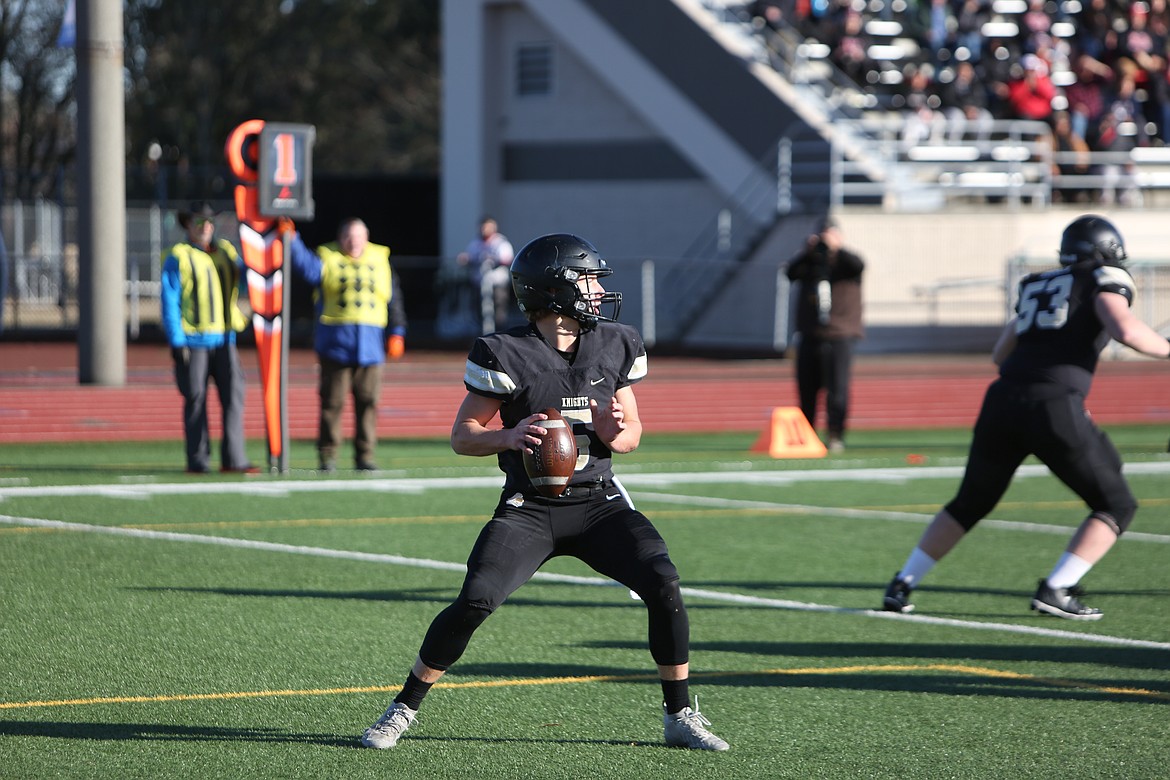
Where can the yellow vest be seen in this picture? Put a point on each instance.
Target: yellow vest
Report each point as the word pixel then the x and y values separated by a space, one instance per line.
pixel 354 290
pixel 207 281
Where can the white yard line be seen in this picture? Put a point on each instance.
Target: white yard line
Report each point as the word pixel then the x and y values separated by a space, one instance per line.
pixel 396 484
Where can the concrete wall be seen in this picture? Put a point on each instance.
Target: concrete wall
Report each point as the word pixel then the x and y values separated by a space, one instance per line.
pixel 908 251
pixel 907 254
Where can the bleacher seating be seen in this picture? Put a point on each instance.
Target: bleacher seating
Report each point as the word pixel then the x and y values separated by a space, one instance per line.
pixel 943 69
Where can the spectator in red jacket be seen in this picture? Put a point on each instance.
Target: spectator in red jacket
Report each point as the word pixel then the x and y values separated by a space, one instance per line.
pixel 1031 94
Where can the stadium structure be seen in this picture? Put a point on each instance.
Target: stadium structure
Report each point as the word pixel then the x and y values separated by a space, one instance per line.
pixel 697 147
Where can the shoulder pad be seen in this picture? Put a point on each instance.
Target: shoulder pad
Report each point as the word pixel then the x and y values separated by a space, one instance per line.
pixel 1111 278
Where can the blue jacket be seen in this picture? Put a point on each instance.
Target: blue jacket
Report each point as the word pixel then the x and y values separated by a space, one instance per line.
pixel 350 345
pixel 171 300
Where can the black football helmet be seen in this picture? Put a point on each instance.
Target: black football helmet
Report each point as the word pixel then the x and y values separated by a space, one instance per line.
pixel 1092 239
pixel 545 274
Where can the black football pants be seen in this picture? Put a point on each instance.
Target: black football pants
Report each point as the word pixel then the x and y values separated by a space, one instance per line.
pixel 602 529
pixel 1050 422
pixel 194 368
pixel 825 364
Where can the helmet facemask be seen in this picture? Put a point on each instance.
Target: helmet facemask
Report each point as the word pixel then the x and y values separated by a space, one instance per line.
pixel 568 299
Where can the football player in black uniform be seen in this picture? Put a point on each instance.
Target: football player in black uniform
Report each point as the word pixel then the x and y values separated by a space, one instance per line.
pixel 1047 355
pixel 573 358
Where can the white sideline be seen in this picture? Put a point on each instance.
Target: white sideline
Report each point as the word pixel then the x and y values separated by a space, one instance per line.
pixel 425 563
pixel 279 487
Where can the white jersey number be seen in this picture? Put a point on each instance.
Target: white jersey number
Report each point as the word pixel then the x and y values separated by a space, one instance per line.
pixel 1052 316
pixel 580 418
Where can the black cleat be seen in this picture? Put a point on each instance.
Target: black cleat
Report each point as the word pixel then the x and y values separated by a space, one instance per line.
pixel 897 597
pixel 1063 602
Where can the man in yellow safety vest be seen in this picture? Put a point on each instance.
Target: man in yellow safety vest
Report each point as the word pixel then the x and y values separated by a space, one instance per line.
pixel 361 320
pixel 201 317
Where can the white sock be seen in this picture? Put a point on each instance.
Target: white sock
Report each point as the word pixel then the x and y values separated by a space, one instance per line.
pixel 917 566
pixel 1068 571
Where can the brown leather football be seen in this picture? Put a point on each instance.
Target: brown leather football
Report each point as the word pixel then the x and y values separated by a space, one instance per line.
pixel 552 462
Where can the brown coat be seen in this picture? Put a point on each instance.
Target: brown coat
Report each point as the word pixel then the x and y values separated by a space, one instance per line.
pixel 843 270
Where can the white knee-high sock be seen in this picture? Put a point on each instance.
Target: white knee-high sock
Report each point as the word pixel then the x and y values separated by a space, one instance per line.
pixel 917 566
pixel 1068 571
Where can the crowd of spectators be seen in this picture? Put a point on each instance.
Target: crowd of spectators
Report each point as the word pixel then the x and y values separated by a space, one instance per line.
pixel 1096 71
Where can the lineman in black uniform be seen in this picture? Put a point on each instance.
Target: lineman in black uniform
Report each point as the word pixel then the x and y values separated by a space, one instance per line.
pixel 573 358
pixel 1047 355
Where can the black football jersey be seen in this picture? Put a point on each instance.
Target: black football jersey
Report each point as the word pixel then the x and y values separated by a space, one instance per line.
pixel 1059 337
pixel 523 371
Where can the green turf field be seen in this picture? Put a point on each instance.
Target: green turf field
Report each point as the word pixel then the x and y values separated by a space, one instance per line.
pixel 160 625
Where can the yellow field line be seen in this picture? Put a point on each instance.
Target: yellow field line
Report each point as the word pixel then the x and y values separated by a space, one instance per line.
pixel 974 671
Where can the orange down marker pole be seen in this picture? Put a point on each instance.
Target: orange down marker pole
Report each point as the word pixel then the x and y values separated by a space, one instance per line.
pixel 264 255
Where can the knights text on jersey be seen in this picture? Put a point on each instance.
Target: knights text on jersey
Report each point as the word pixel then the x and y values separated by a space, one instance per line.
pixel 523 371
pixel 1059 336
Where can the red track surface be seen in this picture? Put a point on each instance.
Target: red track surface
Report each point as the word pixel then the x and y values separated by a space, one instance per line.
pixel 41 400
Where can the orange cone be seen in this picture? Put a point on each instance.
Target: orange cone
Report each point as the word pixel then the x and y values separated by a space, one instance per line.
pixel 789 435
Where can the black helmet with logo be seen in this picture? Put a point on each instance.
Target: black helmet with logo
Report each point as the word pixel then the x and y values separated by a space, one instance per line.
pixel 1092 239
pixel 545 275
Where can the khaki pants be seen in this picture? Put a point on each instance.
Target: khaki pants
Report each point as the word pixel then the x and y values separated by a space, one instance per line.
pixel 337 382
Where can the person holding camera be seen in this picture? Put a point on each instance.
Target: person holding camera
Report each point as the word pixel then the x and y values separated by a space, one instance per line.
pixel 828 325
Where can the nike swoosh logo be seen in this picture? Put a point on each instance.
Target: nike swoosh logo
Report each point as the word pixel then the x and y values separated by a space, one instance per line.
pixel 615 495
pixel 596 381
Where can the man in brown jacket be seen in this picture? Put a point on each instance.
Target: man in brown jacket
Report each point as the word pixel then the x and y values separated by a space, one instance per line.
pixel 828 324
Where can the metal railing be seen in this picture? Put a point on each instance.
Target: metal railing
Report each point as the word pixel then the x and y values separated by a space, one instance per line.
pixel 929 167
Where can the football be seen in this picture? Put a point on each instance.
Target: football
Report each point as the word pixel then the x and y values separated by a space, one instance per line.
pixel 552 462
